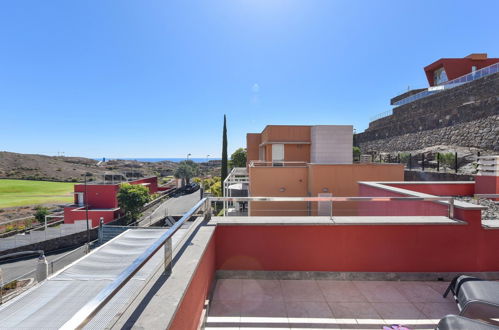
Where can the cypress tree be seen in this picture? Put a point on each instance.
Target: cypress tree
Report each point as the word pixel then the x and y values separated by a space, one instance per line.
pixel 224 152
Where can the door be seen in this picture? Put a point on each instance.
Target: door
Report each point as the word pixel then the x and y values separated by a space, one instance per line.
pixel 278 152
pixel 324 208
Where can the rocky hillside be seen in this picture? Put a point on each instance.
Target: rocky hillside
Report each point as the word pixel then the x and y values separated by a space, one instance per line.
pixel 72 169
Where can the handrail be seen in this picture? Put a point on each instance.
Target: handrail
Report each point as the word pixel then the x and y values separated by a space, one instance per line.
pixel 87 312
pixel 90 309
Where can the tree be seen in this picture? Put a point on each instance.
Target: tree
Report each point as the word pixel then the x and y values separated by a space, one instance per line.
pixel 185 170
pixel 238 158
pixel 131 199
pixel 224 151
pixel 40 213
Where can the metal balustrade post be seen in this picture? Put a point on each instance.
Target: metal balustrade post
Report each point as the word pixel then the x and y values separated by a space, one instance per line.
pixel 168 256
pixel 331 211
pixel 451 208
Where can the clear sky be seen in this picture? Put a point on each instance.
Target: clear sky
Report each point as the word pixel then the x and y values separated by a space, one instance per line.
pixel 154 78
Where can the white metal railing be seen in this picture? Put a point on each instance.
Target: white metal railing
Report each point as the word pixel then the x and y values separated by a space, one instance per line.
pixel 277 163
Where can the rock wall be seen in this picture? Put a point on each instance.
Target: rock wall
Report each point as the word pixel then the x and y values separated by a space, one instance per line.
pixel 482 133
pixel 466 115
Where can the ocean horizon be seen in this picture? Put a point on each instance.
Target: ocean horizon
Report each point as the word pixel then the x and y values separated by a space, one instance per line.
pixel 154 160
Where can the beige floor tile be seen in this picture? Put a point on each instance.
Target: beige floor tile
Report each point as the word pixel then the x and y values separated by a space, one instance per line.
pixel 348 310
pixel 437 310
pixel 418 292
pixel 225 308
pixel 340 291
pixel 398 311
pixel 228 289
pixel 271 309
pixel 301 290
pixel 261 290
pixel 308 309
pixel 380 291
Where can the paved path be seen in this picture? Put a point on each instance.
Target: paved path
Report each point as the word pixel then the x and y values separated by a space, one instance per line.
pixel 174 206
pixel 13 270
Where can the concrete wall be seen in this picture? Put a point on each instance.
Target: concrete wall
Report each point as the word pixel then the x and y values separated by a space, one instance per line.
pixel 331 144
pixel 253 141
pixel 342 180
pixel 190 309
pixel 339 179
pixel 268 181
pixel 56 243
pixel 286 133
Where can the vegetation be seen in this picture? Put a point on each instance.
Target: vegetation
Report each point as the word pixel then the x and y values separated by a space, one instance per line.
pixel 447 159
pixel 40 213
pixel 131 199
pixel 27 192
pixel 186 170
pixel 356 152
pixel 224 171
pixel 238 158
pixel 404 157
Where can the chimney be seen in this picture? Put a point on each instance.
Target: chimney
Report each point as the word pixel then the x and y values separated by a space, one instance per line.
pixel 477 56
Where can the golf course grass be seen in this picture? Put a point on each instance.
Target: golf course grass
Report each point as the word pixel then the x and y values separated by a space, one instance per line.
pixel 27 192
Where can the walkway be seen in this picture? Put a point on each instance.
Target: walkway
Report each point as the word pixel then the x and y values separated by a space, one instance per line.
pixel 53 302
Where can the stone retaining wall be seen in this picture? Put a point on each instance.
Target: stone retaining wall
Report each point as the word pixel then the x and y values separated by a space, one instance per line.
pixel 482 133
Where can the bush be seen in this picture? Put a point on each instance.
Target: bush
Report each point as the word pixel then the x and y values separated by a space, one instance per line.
pixel 132 198
pixel 40 213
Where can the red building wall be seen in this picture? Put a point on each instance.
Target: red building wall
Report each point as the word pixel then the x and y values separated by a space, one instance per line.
pixel 100 196
pixel 152 184
pixel 456 67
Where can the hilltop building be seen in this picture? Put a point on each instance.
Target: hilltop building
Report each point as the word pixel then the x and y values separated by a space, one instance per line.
pixel 459 108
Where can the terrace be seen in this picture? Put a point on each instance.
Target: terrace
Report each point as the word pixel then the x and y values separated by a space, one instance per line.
pixel 385 259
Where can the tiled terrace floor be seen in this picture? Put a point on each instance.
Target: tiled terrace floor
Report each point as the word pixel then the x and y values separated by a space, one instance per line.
pixel 326 304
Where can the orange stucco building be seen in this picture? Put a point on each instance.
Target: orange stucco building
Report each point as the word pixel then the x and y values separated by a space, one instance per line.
pixel 301 161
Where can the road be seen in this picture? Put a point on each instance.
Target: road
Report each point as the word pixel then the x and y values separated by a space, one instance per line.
pixel 175 206
pixel 12 270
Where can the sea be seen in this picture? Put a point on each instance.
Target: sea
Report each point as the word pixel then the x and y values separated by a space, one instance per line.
pixel 153 160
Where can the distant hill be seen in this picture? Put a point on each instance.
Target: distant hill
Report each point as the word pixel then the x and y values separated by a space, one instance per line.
pixel 72 169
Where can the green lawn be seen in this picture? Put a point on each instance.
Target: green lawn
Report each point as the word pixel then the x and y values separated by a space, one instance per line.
pixel 27 192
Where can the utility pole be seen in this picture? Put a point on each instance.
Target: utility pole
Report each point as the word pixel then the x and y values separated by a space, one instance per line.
pixel 86 209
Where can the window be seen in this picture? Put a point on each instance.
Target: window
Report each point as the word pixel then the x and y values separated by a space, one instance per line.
pixel 278 152
pixel 439 76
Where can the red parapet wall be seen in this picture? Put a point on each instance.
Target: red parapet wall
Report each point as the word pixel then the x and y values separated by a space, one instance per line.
pixel 357 248
pixel 487 185
pixel 439 189
pixel 188 315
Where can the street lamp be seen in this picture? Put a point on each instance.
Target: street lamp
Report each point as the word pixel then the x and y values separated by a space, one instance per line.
pixel 188 156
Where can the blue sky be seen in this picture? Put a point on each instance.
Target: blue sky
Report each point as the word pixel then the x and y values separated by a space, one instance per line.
pixel 154 78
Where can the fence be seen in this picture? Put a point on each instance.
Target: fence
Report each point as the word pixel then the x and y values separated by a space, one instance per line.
pixel 445 162
pixel 16 286
pixel 41 234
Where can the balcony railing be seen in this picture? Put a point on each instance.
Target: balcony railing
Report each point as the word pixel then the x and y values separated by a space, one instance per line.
pixel 277 163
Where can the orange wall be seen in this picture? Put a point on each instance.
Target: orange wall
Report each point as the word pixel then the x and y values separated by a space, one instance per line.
pixel 297 152
pixel 275 133
pixel 253 141
pixel 267 181
pixel 341 180
pixel 188 315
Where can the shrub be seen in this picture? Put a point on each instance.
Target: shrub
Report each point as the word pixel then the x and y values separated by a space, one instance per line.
pixel 40 213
